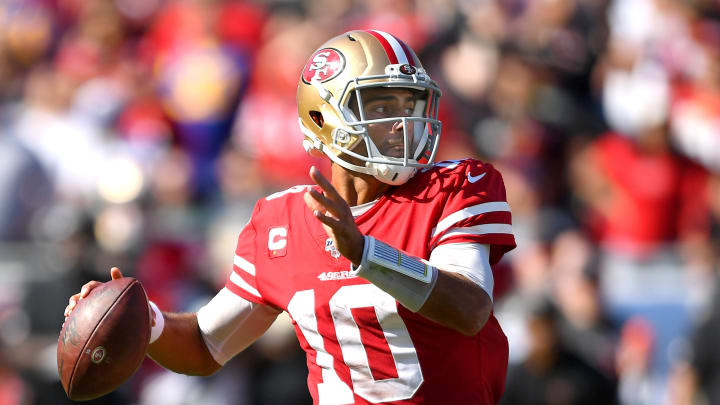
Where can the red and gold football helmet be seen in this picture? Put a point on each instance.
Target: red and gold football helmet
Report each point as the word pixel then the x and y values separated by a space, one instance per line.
pixel 336 73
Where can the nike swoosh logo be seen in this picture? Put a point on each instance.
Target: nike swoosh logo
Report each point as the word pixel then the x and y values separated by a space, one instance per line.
pixel 473 179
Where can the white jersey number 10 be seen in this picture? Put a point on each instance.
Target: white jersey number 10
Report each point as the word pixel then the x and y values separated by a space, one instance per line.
pixel 333 390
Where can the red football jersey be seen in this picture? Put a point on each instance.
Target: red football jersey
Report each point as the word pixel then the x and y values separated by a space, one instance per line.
pixel 362 346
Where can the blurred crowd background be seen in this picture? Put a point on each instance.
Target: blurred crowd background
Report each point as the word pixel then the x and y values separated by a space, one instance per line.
pixel 139 134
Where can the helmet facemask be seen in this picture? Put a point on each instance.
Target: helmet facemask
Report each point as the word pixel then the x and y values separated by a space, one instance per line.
pixel 421 128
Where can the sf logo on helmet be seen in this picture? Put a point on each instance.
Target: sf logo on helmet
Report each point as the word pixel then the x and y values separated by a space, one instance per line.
pixel 323 65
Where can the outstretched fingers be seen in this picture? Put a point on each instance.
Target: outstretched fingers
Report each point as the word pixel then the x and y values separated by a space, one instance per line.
pixel 325 204
pixel 325 185
pixel 328 220
pixel 334 213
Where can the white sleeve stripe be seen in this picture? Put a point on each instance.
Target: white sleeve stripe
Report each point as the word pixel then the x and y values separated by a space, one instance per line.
pixel 465 213
pixel 483 229
pixel 244 265
pixel 239 282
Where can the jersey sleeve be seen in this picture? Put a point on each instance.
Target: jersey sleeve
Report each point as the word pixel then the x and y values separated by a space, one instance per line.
pixel 229 324
pixel 243 281
pixel 476 211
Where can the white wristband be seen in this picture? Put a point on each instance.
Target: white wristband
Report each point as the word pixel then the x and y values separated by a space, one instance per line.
pixel 408 279
pixel 156 330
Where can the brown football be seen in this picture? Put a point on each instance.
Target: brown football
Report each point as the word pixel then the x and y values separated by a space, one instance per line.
pixel 104 340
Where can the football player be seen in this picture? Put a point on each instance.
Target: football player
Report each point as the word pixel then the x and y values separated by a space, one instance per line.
pixel 384 268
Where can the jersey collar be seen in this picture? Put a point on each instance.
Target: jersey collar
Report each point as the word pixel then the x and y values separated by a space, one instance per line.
pixel 362 208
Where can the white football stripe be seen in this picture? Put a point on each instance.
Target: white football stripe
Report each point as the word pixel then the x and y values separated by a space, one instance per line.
pixel 465 213
pixel 239 282
pixel 244 265
pixel 399 52
pixel 483 229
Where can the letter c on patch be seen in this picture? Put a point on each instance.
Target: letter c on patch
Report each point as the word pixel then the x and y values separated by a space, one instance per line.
pixel 277 238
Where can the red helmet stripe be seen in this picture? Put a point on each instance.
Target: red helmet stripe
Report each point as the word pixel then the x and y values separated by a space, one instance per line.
pixel 402 51
pixel 389 50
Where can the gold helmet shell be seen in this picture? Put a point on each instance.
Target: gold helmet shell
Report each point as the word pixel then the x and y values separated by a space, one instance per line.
pixel 336 73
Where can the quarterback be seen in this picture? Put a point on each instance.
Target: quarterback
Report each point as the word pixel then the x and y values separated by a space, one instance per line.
pixel 385 268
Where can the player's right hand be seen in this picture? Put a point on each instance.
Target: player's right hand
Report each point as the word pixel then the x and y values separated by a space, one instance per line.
pixel 85 290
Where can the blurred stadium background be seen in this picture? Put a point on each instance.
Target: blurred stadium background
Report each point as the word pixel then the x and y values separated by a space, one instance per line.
pixel 139 133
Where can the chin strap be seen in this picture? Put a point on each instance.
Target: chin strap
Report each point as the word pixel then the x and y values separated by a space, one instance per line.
pixel 390 174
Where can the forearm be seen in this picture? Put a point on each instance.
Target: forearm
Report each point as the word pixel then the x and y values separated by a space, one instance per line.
pixel 181 348
pixel 455 302
pixel 455 299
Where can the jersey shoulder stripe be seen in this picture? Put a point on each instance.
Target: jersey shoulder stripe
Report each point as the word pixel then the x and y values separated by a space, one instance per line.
pixel 469 212
pixel 473 205
pixel 243 264
pixel 483 229
pixel 237 281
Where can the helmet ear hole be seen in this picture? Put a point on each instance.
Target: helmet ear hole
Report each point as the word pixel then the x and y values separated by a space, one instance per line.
pixel 317 118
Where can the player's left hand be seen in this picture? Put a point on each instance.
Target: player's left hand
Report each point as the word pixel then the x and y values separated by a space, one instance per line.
pixel 334 212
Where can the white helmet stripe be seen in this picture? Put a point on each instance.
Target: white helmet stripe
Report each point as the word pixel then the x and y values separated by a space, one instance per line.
pixel 397 48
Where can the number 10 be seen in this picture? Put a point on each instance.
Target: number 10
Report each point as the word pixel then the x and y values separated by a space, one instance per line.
pixel 333 390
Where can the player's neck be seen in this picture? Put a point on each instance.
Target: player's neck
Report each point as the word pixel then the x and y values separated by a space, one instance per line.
pixel 356 188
